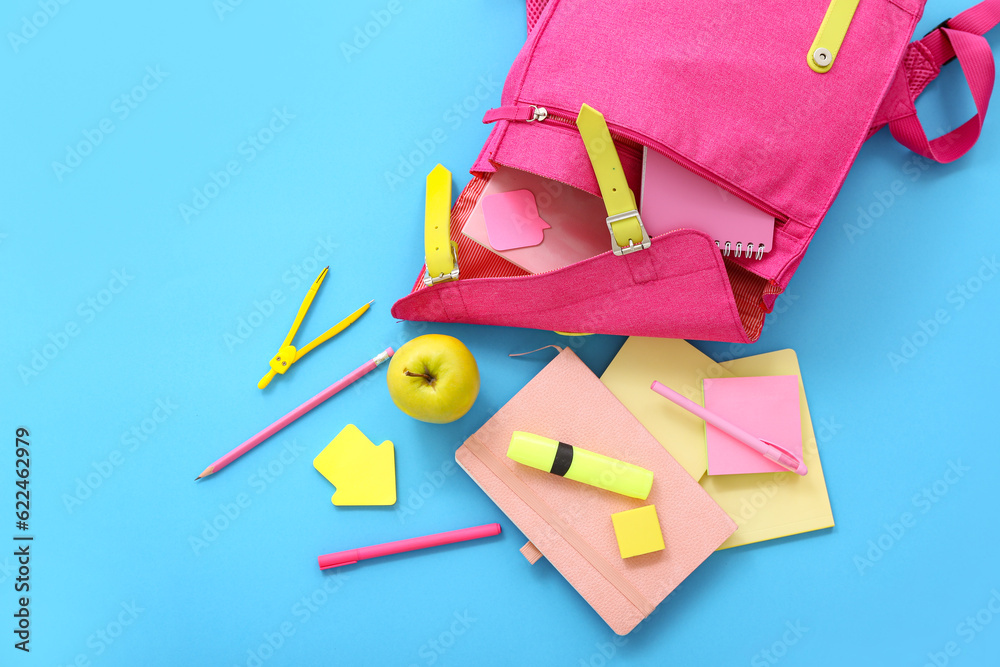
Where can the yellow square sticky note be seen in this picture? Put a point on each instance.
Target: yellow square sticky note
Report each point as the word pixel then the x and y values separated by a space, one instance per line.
pixel 638 531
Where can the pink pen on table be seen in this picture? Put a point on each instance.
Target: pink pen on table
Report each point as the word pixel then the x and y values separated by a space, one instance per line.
pixel 766 449
pixel 334 388
pixel 412 544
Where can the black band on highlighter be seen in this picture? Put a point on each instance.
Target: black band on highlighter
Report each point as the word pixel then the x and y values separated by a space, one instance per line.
pixel 563 459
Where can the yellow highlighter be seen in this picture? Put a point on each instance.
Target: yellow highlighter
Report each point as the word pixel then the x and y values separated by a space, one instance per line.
pixel 580 465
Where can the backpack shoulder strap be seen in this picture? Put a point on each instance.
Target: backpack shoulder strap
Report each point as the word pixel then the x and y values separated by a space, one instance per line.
pixel 960 37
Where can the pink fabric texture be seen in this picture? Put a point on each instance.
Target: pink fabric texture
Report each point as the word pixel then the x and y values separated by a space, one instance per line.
pixel 727 93
pixel 619 295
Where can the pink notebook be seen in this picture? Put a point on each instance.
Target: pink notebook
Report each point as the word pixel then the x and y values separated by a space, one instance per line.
pixel 673 197
pixel 570 523
pixel 766 407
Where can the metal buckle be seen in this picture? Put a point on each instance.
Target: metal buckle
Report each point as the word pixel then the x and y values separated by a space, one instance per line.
pixel 453 275
pixel 631 247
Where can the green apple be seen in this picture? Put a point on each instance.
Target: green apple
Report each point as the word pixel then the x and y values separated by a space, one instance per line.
pixel 433 378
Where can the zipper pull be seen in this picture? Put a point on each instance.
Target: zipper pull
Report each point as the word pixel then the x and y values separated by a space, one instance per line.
pixel 520 113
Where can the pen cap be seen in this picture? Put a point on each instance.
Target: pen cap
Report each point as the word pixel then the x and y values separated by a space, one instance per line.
pixel 348 557
pixel 532 450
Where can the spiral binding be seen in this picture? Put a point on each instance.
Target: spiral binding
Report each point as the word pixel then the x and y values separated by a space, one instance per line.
pixel 739 248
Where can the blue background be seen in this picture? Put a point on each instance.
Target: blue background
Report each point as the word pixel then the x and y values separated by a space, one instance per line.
pixel 124 546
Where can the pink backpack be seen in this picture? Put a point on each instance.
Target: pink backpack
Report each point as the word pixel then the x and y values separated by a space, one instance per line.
pixel 724 89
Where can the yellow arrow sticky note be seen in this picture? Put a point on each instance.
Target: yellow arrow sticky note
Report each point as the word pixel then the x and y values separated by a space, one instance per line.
pixel 363 473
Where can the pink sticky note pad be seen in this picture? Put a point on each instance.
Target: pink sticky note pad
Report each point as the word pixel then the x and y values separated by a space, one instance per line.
pixel 766 407
pixel 512 220
pixel 576 218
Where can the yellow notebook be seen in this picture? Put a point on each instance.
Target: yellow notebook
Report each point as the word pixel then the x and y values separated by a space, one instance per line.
pixel 680 366
pixel 764 505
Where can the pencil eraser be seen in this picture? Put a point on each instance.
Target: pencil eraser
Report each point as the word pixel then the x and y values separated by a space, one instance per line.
pixel 638 531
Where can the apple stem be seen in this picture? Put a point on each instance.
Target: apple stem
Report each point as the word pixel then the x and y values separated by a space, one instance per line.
pixel 419 375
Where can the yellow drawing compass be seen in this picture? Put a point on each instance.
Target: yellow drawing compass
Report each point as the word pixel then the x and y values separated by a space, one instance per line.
pixel 288 354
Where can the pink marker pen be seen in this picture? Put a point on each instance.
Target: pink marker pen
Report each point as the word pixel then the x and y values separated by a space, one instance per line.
pixel 437 539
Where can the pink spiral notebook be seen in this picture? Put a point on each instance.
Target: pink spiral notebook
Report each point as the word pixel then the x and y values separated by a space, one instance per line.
pixel 673 197
pixel 570 523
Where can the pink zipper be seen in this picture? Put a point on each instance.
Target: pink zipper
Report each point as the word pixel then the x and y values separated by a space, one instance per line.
pixel 538 113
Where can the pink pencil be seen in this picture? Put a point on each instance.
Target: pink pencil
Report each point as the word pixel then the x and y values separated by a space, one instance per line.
pixel 768 450
pixel 412 544
pixel 365 368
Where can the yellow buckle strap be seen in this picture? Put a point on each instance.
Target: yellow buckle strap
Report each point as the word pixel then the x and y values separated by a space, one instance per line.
pixel 440 253
pixel 627 232
pixel 831 35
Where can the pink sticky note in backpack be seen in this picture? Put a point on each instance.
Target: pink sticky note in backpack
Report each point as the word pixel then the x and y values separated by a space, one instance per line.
pixel 512 220
pixel 767 407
